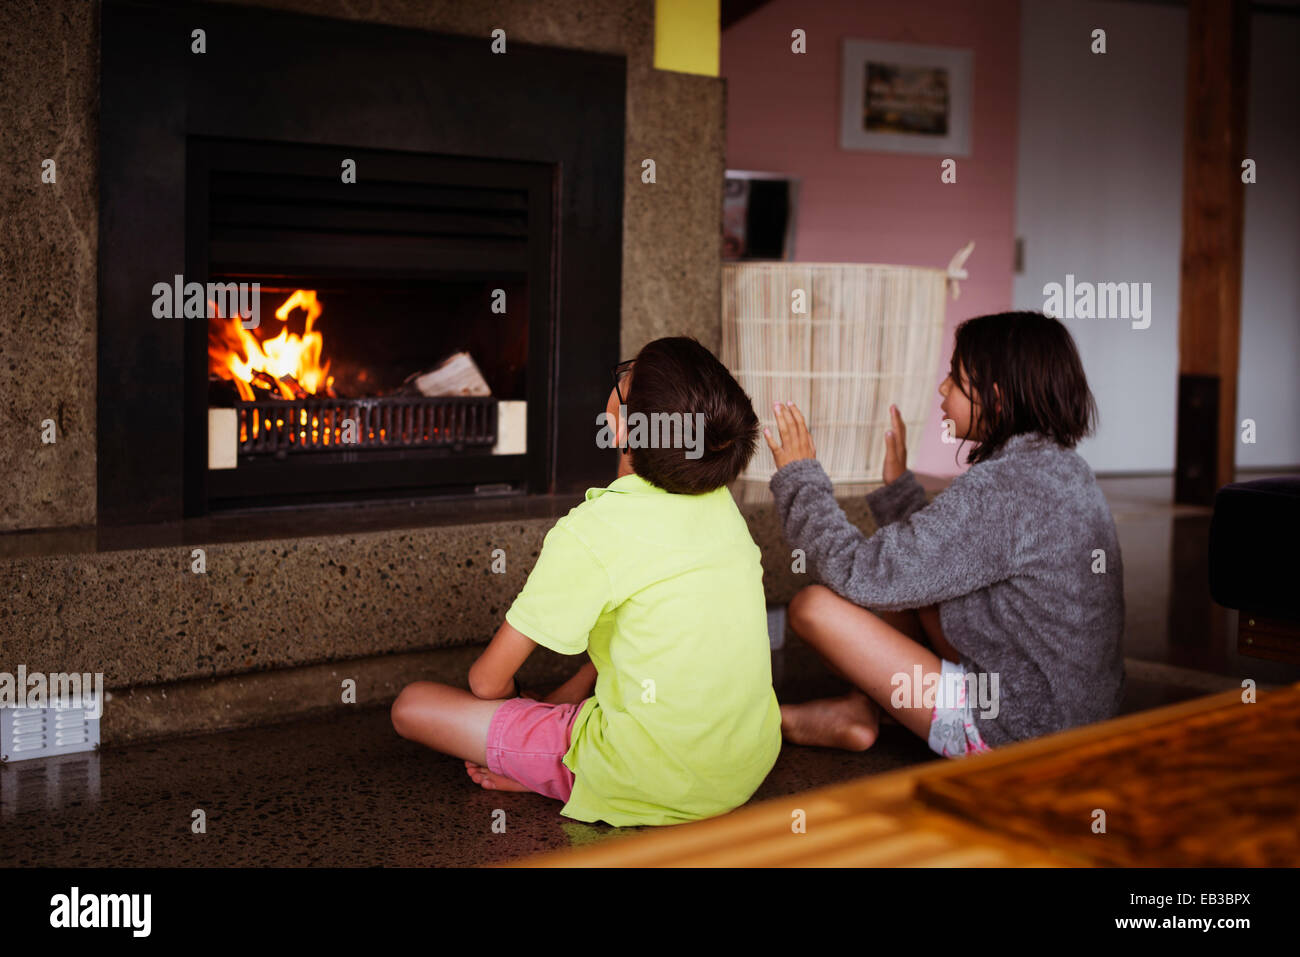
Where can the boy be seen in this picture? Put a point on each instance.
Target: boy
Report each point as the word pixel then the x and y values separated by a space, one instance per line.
pixel 657 579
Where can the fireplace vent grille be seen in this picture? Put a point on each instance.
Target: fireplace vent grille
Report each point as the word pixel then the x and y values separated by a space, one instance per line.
pixel 387 422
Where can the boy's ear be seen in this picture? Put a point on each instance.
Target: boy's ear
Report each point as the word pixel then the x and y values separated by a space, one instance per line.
pixel 621 432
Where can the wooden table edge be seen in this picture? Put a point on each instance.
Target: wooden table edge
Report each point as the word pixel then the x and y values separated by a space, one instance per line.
pixel 892 792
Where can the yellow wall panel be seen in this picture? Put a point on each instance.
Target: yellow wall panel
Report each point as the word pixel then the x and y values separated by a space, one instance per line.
pixel 687 36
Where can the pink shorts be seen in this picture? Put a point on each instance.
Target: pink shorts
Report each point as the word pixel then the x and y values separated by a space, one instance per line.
pixel 527 741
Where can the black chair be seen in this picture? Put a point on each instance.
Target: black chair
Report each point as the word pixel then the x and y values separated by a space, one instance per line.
pixel 1255 564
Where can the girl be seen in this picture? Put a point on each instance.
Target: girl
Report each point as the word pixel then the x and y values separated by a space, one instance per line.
pixel 992 614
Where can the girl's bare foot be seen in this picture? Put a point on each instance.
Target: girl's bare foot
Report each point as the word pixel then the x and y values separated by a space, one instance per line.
pixel 490 780
pixel 850 723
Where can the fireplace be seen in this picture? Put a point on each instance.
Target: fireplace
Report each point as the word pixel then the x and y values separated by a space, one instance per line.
pixel 361 287
pixel 428 235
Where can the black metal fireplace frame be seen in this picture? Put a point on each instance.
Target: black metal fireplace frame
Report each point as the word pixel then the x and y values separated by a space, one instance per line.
pixel 275 77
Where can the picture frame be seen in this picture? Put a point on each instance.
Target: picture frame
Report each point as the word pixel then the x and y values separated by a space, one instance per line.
pixel 903 98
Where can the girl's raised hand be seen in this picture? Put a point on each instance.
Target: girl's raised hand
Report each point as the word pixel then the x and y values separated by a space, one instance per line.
pixel 895 446
pixel 796 441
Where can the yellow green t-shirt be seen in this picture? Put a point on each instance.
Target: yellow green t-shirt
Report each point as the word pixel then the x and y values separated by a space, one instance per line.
pixel 665 593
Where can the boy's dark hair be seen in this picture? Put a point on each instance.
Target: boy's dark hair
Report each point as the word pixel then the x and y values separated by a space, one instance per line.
pixel 677 374
pixel 1041 385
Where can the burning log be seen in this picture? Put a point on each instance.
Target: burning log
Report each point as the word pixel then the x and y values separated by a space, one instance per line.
pixel 224 394
pixel 298 391
pixel 267 383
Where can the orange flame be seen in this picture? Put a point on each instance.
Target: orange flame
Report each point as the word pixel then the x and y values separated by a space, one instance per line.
pixel 280 362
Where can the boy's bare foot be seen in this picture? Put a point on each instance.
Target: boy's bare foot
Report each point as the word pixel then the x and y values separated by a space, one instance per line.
pixel 850 723
pixel 490 780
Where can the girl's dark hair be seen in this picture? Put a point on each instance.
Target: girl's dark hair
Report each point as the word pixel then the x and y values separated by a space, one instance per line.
pixel 1041 385
pixel 678 375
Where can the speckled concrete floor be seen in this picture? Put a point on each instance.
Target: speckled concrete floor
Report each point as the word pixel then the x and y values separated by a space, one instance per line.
pixel 347 791
pixel 344 790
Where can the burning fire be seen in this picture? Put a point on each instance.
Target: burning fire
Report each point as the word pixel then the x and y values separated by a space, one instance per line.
pixel 287 364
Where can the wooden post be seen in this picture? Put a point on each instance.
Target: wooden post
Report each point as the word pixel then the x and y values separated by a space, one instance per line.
pixel 1209 312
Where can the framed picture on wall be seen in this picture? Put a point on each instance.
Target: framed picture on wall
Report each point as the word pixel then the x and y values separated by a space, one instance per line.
pixel 901 98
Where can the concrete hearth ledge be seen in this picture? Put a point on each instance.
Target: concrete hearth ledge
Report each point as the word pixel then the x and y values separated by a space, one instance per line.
pixel 272 627
pixel 285 694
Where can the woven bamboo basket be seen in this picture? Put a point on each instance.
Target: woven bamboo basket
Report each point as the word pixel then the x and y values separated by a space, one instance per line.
pixel 870 336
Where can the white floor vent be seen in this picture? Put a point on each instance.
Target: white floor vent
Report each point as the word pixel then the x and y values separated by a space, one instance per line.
pixel 44 732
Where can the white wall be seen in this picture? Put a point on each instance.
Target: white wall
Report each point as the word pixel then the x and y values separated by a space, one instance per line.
pixel 1099 196
pixel 1267 390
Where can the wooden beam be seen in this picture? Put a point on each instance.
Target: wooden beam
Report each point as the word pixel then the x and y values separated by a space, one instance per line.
pixel 1209 312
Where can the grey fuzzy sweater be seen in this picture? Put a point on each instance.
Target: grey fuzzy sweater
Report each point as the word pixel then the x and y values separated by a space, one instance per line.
pixel 1007 551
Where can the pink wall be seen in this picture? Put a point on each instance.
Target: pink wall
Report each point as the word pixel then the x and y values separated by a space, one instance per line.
pixel 783 114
